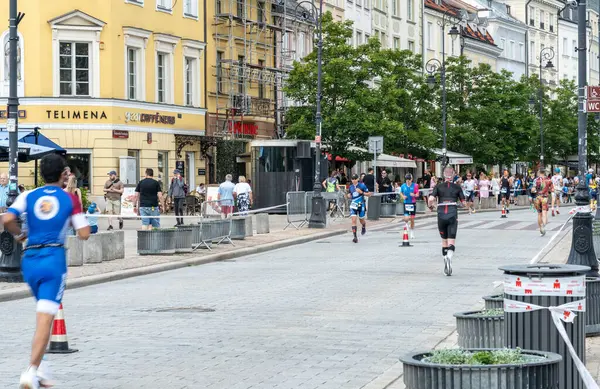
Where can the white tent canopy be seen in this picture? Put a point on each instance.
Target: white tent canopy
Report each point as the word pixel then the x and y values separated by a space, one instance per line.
pixel 386 160
pixel 455 158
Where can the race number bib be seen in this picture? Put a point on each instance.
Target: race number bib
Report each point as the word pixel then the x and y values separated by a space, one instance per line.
pixel 409 207
pixel 354 205
pixel 504 190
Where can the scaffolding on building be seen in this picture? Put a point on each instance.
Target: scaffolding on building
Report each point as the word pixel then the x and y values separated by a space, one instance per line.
pixel 253 61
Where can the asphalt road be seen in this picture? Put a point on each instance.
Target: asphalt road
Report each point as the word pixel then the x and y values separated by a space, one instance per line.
pixel 326 314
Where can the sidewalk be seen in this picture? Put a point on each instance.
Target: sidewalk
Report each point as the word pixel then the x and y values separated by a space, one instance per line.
pixel 136 265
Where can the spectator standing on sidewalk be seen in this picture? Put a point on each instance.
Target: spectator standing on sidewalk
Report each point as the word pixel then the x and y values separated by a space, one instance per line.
pixel 243 194
pixel 225 195
pixel 177 192
pixel 72 187
pixel 385 185
pixel 148 194
pixel 3 191
pixel 113 190
pixel 92 217
pixel 369 180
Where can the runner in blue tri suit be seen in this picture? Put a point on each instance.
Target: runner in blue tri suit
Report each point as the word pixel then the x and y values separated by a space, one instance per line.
pixel 49 212
pixel 358 205
pixel 409 192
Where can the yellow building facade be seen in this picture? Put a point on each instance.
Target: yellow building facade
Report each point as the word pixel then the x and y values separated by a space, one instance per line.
pixel 113 79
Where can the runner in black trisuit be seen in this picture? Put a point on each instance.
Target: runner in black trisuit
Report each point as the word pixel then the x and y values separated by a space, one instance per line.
pixel 447 194
pixel 505 185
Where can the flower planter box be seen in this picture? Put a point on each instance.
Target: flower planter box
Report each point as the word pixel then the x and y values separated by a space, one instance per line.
pixel 420 374
pixel 400 209
pixel 183 239
pixel 495 301
pixel 156 242
pixel 478 331
pixel 592 314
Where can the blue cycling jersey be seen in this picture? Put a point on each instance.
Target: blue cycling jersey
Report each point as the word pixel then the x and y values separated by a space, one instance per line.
pixel 406 190
pixel 358 197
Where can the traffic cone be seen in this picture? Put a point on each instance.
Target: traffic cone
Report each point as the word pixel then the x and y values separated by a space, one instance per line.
pixel 58 340
pixel 405 242
pixel 503 211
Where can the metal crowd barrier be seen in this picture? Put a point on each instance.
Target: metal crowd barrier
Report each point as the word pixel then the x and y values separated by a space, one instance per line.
pixel 296 209
pixel 339 204
pixel 215 223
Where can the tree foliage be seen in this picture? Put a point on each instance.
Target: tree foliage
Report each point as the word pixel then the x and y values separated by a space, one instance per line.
pixel 369 90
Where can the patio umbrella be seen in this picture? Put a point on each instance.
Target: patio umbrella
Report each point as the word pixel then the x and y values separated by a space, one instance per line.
pixel 27 152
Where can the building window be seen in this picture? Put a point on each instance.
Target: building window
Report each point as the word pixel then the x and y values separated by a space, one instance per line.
pixel 367 4
pixel 551 22
pixel 132 73
pixel 74 69
pixel 565 46
pixel 136 2
pixel 301 40
pixel 261 84
pixel 429 35
pixel 396 43
pixel 241 81
pixel 395 7
pixel 574 46
pixel 218 7
pixel 410 13
pixel 502 43
pixel 359 38
pixel 261 12
pixel 190 8
pixel 531 16
pixel 161 77
pixel 411 46
pixel 6 73
pixel 220 71
pixel 532 53
pixel 164 5
pixel 163 169
pixel 189 81
pixel 521 52
pixel 383 40
pixel 136 155
pixel 511 50
pixel 240 9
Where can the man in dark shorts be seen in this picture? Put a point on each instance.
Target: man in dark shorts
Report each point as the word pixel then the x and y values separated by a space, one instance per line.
pixel 505 185
pixel 447 194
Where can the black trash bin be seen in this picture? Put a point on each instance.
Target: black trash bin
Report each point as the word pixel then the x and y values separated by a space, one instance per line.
pixel 10 258
pixel 373 207
pixel 546 285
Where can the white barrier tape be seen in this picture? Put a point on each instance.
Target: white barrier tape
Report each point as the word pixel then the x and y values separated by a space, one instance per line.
pixel 538 256
pixel 496 284
pixel 559 314
pixel 253 211
pixel 585 209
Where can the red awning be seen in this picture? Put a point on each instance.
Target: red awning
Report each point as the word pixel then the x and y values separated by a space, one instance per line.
pixel 337 159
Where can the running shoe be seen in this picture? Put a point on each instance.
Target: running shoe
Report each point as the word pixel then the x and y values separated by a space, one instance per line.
pixel 29 379
pixel 447 266
pixel 412 234
pixel 355 240
pixel 44 376
pixel 363 230
pixel 557 212
pixel 553 213
pixel 542 231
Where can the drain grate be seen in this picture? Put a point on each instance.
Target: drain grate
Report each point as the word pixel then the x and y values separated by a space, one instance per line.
pixel 179 309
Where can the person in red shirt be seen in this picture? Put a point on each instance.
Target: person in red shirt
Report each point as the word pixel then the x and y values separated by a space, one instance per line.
pixel 543 188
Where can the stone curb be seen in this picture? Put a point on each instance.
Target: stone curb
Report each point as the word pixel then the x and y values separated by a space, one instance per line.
pixel 24 292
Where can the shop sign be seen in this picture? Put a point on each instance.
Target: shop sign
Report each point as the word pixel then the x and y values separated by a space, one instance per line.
pixel 238 128
pixel 120 134
pixel 201 172
pixel 22 114
pixel 60 114
pixel 149 118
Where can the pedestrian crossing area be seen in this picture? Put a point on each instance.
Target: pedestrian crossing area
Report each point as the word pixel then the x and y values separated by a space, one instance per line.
pixel 492 225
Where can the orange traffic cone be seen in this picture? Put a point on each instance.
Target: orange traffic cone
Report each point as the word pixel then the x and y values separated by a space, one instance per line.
pixel 58 340
pixel 405 242
pixel 503 211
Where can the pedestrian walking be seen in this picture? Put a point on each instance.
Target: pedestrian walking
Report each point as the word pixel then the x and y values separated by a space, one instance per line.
pixel 47 210
pixel 113 191
pixel 557 184
pixel 177 192
pixel 148 196
pixel 469 188
pixel 484 186
pixel 225 196
pixel 242 192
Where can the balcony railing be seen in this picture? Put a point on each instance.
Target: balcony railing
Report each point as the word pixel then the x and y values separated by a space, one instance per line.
pixel 551 28
pixel 531 22
pixel 542 25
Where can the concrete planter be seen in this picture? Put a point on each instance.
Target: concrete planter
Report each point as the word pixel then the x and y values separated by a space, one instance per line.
pixel 92 249
pixel 183 239
pixel 156 242
pixel 421 206
pixel 238 227
pixel 476 331
pixel 74 247
pixel 400 208
pixel 419 374
pixel 592 314
pixel 522 200
pixel 486 203
pixel 262 223
pixel 249 227
pixel 494 301
pixel 387 210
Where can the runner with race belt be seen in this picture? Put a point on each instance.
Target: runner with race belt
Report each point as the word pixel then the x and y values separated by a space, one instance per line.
pixel 447 194
pixel 543 189
pixel 409 192
pixel 358 205
pixel 505 185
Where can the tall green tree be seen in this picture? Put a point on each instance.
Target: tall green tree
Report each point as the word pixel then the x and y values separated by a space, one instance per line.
pixel 560 123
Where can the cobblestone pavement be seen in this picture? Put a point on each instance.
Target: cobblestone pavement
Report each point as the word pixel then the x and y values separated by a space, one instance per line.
pixel 326 314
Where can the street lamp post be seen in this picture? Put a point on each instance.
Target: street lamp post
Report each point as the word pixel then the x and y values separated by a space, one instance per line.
pixel 582 248
pixel 434 65
pixel 318 214
pixel 546 54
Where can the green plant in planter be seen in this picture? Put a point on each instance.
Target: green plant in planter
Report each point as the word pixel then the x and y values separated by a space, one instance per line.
pixel 492 357
pixel 489 312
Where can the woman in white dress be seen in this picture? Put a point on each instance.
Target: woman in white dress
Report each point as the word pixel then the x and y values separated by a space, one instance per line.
pixel 243 193
pixel 496 188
